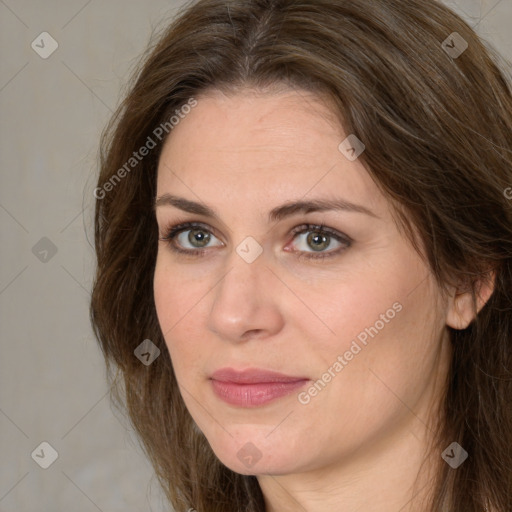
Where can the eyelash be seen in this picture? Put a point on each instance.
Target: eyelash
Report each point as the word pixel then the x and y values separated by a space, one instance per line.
pixel 173 231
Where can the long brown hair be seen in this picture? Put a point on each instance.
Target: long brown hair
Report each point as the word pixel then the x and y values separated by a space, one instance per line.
pixel 437 127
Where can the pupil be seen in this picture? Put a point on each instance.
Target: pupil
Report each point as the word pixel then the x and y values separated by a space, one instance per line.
pixel 319 241
pixel 198 236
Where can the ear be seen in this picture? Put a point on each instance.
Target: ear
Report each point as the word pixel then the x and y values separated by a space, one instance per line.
pixel 460 311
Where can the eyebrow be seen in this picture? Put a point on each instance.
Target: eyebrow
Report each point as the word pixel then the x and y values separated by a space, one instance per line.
pixel 278 213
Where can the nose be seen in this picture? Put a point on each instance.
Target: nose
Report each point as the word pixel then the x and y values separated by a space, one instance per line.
pixel 246 302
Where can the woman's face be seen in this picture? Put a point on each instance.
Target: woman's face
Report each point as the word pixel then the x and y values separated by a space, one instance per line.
pixel 360 333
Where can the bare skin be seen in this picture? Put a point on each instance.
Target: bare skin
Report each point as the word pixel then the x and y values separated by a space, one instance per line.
pixel 357 443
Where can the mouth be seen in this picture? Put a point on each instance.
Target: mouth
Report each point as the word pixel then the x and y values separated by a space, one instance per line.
pixel 253 387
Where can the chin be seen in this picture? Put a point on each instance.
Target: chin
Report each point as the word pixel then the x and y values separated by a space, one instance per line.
pixel 255 455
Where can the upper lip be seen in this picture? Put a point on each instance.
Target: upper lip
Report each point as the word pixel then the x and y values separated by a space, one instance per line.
pixel 252 376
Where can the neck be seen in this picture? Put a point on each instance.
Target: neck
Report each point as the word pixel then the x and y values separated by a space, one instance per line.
pixel 388 475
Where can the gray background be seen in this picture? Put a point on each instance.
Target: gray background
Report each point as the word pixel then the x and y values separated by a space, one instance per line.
pixel 52 378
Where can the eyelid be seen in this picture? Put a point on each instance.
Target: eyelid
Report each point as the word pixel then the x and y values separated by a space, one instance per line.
pixel 342 237
pixel 175 228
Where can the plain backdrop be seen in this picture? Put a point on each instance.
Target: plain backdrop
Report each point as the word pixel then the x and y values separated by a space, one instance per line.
pixel 52 377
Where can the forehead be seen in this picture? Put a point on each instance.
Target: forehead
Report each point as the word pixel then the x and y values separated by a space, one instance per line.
pixel 251 120
pixel 254 143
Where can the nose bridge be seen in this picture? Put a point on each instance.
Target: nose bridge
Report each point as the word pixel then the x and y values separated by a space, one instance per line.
pixel 239 286
pixel 243 300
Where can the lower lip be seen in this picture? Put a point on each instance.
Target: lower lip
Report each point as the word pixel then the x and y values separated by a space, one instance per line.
pixel 254 395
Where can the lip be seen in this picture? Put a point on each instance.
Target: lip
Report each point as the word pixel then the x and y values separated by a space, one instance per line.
pixel 252 376
pixel 253 387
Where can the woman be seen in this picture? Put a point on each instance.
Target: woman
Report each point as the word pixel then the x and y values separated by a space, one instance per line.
pixel 304 239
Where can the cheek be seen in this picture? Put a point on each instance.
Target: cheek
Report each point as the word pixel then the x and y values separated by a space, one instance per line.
pixel 177 293
pixel 165 292
pixel 183 301
pixel 368 294
pixel 176 303
pixel 383 324
pixel 357 308
pixel 384 354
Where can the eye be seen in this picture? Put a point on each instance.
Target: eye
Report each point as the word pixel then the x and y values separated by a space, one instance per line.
pixel 320 238
pixel 194 233
pixel 199 236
